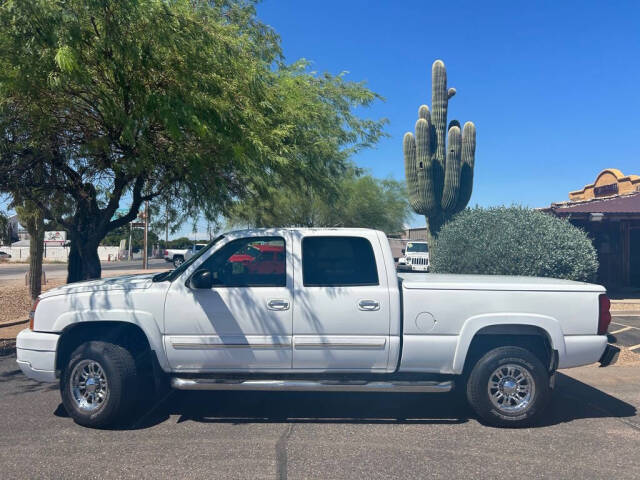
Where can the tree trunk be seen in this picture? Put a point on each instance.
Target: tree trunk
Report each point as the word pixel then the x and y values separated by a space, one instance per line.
pixel 84 263
pixel 35 227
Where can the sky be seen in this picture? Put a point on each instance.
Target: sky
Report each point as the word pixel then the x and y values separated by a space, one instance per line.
pixel 553 87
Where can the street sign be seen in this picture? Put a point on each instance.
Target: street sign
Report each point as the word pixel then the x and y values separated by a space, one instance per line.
pixel 137 224
pixel 55 237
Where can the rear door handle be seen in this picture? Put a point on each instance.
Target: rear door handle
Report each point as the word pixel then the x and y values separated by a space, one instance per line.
pixel 278 304
pixel 369 305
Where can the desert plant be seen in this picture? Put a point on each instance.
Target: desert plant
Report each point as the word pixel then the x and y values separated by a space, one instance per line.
pixel 439 183
pixel 514 241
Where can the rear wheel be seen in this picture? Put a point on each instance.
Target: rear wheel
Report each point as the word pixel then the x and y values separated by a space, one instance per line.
pixel 508 387
pixel 99 384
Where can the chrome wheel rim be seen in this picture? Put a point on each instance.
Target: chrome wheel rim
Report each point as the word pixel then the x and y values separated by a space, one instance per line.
pixel 89 387
pixel 511 388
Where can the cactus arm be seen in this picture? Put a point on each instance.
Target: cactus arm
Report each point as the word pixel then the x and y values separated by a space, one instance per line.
pixel 411 172
pixel 452 172
pixel 468 161
pixel 423 112
pixel 424 158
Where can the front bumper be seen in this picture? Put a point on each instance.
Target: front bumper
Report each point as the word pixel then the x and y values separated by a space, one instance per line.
pixel 419 268
pixel 36 354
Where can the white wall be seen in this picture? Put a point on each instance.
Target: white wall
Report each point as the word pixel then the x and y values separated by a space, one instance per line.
pixel 60 254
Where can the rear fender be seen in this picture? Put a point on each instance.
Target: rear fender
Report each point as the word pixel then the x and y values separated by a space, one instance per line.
pixel 474 324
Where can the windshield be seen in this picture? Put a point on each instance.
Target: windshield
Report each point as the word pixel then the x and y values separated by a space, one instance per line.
pixel 417 247
pixel 172 274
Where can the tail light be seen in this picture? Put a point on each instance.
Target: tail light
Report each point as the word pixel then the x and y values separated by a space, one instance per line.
pixel 32 313
pixel 166 252
pixel 604 317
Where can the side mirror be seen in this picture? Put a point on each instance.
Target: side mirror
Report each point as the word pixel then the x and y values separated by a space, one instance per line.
pixel 201 279
pixel 403 251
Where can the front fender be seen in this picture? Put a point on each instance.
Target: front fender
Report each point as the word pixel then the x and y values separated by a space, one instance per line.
pixel 474 324
pixel 144 320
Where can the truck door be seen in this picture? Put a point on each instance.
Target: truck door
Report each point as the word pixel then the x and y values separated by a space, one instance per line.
pixel 244 322
pixel 341 303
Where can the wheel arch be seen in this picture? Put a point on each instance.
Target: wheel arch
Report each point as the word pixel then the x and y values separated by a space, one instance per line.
pixel 505 325
pixel 127 334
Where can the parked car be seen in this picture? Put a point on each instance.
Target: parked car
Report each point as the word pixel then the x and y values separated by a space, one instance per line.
pixel 4 255
pixel 332 316
pixel 416 257
pixel 179 256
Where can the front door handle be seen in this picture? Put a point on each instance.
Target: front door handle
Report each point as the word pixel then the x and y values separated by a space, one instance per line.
pixel 278 304
pixel 369 305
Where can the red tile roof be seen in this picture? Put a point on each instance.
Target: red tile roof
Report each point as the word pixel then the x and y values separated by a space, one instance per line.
pixel 623 204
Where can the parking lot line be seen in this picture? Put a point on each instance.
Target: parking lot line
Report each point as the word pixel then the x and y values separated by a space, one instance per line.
pixel 621 330
pixel 623 325
pixel 635 347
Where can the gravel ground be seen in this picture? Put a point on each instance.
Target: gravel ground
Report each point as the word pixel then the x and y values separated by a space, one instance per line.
pixel 16 302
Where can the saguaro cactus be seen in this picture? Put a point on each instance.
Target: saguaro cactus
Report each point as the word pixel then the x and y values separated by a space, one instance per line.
pixel 439 183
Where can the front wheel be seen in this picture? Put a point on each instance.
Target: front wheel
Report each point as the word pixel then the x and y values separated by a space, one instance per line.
pixel 98 385
pixel 178 260
pixel 508 387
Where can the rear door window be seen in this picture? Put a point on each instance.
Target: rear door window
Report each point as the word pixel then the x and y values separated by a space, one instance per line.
pixel 338 262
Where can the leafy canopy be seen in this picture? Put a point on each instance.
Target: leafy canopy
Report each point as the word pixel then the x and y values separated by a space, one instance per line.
pixel 354 201
pixel 185 100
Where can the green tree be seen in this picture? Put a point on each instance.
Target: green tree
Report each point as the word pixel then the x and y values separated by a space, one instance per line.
pixel 353 201
pixel 143 99
pixel 514 241
pixel 137 237
pixel 4 229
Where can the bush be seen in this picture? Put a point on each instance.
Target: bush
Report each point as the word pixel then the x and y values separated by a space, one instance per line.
pixel 514 241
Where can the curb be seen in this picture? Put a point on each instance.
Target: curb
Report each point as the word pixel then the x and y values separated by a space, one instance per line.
pixel 13 324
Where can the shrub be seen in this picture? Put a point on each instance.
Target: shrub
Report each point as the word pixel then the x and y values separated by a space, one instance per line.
pixel 514 241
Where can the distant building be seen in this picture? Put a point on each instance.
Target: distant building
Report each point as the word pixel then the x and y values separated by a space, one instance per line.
pixel 609 211
pixel 16 231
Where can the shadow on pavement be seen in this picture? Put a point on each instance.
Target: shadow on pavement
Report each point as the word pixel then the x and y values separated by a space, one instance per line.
pixel 572 400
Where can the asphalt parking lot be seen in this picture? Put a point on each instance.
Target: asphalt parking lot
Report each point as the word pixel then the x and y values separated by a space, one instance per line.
pixel 592 430
pixel 625 331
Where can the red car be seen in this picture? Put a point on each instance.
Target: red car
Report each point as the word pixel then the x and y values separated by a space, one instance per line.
pixel 261 259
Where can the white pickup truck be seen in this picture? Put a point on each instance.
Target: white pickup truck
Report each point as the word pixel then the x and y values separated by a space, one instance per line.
pixel 312 310
pixel 179 256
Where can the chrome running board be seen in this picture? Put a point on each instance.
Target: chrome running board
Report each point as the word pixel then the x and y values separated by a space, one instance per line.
pixel 311 385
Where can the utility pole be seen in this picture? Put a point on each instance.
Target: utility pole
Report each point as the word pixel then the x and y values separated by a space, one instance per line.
pixel 145 261
pixel 166 228
pixel 130 238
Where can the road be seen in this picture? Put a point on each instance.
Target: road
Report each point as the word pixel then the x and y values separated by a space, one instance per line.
pixel 592 430
pixel 16 271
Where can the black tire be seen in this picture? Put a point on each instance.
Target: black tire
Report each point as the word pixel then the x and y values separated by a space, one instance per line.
pixel 178 260
pixel 119 369
pixel 525 409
